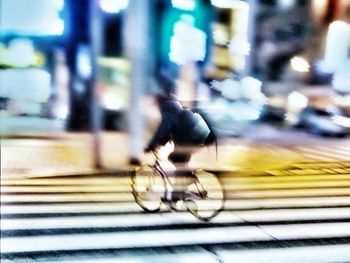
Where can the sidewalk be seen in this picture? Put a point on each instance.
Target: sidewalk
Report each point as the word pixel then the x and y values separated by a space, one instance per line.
pixel 65 154
pixel 34 155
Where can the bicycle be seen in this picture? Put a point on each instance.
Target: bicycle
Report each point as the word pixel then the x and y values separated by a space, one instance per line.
pixel 204 197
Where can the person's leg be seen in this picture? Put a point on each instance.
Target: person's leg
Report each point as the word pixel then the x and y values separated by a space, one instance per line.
pixel 183 173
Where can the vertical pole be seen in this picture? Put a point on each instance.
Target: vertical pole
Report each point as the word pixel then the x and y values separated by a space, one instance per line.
pixel 136 36
pixel 95 42
pixel 253 9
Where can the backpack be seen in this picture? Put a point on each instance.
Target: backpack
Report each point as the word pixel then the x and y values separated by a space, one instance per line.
pixel 191 129
pixel 212 137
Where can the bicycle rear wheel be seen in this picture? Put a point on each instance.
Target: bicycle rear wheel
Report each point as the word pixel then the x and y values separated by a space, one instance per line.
pixel 148 187
pixel 206 197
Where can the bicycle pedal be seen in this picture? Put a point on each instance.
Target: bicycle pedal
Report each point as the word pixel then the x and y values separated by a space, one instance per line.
pixel 203 193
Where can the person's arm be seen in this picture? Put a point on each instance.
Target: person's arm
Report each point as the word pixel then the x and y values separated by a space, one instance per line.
pixel 162 135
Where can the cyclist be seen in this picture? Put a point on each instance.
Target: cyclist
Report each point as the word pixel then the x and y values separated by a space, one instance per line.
pixel 173 128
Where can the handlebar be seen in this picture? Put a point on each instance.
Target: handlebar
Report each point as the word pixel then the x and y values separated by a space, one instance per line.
pixel 154 152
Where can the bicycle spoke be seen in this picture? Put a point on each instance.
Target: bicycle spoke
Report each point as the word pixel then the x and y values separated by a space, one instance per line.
pixel 148 188
pixel 205 198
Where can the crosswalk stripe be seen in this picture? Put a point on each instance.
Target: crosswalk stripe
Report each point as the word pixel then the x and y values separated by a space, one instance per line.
pixel 114 188
pixel 69 197
pixel 212 235
pixel 325 254
pixel 181 256
pixel 158 219
pixel 321 175
pixel 307 230
pixel 104 221
pixel 271 203
pixel 294 214
pixel 287 185
pixel 290 193
pixel 77 181
pixel 312 254
pixel 132 239
pixel 324 165
pixel 72 208
pixel 109 197
pixel 234 186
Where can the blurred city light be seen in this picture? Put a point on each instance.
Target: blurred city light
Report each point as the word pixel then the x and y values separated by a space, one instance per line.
pixel 286 3
pixel 341 121
pixel 20 53
pixel 337 45
pixel 189 5
pixel 187 43
pixel 239 45
pixel 296 100
pixel 61 112
pixel 253 83
pixel 26 92
pixel 220 35
pixel 32 17
pixel 247 111
pixel 229 3
pixel 84 62
pixel 322 67
pixel 111 101
pixel 234 36
pixel 342 100
pixel 229 88
pixel 59 4
pixel 300 64
pixel 252 89
pixel 336 59
pixel 113 6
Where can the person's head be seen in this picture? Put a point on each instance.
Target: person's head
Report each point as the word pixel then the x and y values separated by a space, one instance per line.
pixel 167 86
pixel 165 96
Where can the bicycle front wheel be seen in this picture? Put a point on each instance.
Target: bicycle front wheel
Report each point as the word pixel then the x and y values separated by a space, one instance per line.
pixel 148 187
pixel 205 197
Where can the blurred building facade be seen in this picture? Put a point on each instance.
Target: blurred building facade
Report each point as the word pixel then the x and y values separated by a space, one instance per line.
pixel 230 38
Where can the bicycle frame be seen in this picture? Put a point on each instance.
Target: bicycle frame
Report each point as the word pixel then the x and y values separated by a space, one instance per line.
pixel 159 168
pixel 164 174
pixel 193 192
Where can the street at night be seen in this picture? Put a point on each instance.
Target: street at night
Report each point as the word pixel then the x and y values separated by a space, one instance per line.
pixel 175 131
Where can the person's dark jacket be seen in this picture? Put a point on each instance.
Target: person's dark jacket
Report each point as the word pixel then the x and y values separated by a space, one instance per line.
pixel 170 111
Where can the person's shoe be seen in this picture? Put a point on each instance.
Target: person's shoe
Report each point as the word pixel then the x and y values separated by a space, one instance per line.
pixel 134 161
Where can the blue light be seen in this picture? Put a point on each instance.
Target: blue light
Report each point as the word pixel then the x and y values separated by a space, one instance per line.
pixel 84 65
